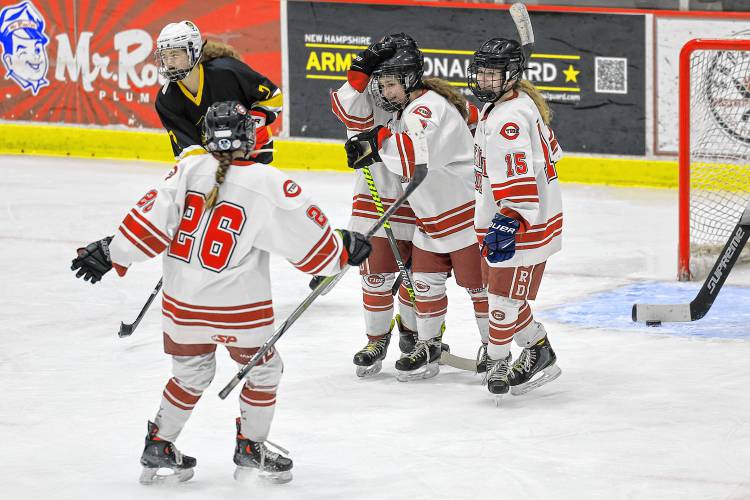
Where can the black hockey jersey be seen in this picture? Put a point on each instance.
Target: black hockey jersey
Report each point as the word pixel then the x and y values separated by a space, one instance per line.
pixel 220 79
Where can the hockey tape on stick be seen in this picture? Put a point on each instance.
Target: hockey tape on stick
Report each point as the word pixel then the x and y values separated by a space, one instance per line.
pixel 521 19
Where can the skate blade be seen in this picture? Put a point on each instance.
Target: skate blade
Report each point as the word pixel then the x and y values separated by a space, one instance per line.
pixel 548 375
pixel 244 474
pixel 164 475
pixel 369 371
pixel 427 371
pixel 498 398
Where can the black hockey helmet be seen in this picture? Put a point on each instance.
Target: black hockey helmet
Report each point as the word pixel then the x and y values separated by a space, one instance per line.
pixel 406 65
pixel 228 127
pixel 501 54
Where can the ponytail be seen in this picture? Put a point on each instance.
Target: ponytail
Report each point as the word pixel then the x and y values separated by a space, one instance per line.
pixel 221 172
pixel 453 96
pixel 541 104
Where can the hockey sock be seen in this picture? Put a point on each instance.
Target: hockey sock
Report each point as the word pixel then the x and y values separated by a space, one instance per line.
pixel 378 302
pixel 481 311
pixel 503 317
pixel 431 302
pixel 406 309
pixel 192 375
pixel 258 398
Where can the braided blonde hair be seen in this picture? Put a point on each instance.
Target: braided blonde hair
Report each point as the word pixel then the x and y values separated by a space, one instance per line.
pixel 221 172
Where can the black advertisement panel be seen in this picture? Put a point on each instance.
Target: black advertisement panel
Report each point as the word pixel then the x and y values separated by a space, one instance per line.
pixel 589 66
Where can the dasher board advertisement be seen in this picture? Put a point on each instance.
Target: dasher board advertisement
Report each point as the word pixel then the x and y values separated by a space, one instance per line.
pixel 91 63
pixel 590 66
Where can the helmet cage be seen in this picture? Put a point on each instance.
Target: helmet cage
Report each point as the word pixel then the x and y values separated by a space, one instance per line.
pixel 187 38
pixel 228 127
pixel 510 68
pixel 410 78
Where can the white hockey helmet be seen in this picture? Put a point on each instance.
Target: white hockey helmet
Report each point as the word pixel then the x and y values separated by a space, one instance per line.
pixel 173 63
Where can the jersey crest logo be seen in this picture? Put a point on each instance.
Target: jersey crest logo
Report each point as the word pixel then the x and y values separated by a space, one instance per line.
pixel 171 173
pixel 498 315
pixel 421 286
pixel 423 111
pixel 291 189
pixel 510 131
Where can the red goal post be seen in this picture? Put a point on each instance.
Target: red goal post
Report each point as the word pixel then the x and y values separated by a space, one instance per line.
pixel 714 149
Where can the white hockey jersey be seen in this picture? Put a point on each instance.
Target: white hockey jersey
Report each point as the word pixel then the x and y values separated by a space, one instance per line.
pixel 444 202
pixel 358 113
pixel 515 155
pixel 217 286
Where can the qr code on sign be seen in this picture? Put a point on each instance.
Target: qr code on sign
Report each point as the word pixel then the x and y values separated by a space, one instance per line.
pixel 611 75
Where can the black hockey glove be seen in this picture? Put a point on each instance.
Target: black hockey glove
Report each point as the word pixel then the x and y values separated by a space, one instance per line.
pixel 362 149
pixel 315 281
pixel 368 60
pixel 93 262
pixel 356 245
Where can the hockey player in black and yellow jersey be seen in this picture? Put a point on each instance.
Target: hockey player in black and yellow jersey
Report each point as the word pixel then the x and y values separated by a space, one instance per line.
pixel 201 73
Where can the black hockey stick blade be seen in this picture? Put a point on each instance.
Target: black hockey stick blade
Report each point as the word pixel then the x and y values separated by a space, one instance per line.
pixel 654 314
pixel 126 329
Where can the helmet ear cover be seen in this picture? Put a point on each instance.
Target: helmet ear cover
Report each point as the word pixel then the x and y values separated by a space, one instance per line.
pixel 228 127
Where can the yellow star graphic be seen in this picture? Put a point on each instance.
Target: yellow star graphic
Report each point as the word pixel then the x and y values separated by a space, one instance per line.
pixel 571 74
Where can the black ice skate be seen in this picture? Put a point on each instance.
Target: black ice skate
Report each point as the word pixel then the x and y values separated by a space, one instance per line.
pixel 496 376
pixel 406 338
pixel 369 360
pixel 422 362
pixel 537 359
pixel 161 455
pixel 251 456
pixel 482 358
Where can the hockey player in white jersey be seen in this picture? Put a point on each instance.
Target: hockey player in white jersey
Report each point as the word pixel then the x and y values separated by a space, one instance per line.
pixel 519 212
pixel 216 218
pixel 353 106
pixel 444 241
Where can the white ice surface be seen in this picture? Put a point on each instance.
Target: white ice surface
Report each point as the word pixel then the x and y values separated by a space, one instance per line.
pixel 635 414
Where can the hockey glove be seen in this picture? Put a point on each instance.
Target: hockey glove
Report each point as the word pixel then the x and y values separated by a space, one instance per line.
pixel 368 60
pixel 315 281
pixel 356 245
pixel 500 242
pixel 362 149
pixel 93 262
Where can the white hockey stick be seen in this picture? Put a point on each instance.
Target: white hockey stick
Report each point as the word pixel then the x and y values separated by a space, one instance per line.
pixel 654 314
pixel 420 172
pixel 523 25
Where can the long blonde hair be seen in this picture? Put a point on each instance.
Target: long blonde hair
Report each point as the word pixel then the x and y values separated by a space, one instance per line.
pixel 221 172
pixel 453 96
pixel 536 96
pixel 213 50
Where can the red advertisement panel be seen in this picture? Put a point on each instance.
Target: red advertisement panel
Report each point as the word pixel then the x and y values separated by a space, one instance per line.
pixel 91 61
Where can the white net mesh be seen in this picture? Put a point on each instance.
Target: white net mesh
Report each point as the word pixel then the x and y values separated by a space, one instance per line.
pixel 719 150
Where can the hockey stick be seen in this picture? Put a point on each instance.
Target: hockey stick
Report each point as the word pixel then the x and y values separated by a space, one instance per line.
pixel 523 25
pixel 127 329
pixel 405 278
pixel 420 172
pixel 654 314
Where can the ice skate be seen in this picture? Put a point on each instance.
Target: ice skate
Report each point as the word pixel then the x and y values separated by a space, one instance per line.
pixel 538 359
pixel 482 359
pixel 369 360
pixel 406 338
pixel 253 457
pixel 162 462
pixel 496 376
pixel 422 362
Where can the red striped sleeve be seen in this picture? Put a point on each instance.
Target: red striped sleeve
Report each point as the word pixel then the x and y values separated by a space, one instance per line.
pixel 406 152
pixel 321 254
pixel 350 121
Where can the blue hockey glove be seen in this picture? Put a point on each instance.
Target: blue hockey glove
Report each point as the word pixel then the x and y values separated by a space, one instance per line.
pixel 500 241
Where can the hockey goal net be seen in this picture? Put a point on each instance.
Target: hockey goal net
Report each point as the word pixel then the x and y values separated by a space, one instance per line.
pixel 714 149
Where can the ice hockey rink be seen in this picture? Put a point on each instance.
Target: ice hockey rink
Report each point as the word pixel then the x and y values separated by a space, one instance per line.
pixel 638 412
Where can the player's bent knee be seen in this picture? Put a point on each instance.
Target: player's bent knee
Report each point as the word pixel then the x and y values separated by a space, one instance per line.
pixel 268 375
pixel 194 372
